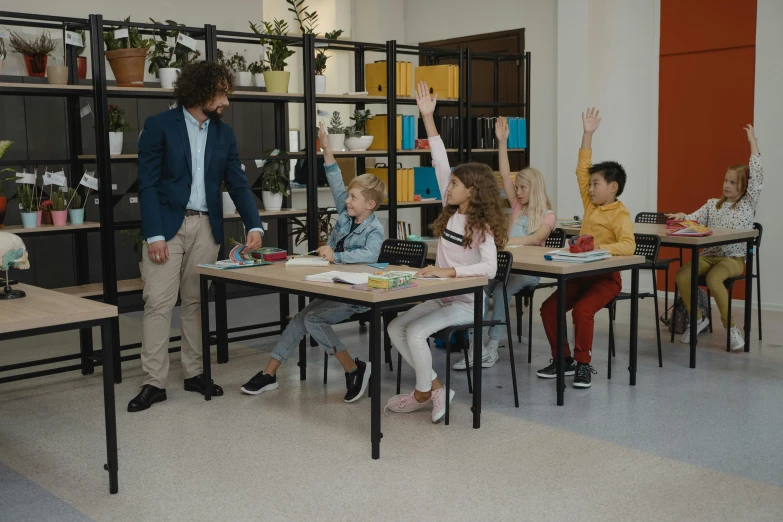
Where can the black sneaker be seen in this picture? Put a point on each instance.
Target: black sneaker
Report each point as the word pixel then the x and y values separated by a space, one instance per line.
pixel 260 383
pixel 584 376
pixel 550 372
pixel 356 381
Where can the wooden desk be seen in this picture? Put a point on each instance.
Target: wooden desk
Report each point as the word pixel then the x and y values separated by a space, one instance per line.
pixel 46 311
pixel 279 278
pixel 720 236
pixel 530 260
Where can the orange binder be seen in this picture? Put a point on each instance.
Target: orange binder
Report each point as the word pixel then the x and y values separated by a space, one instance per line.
pixel 442 79
pixel 376 84
pixel 378 128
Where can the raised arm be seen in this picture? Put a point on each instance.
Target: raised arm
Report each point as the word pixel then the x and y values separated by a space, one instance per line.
pixel 590 122
pixel 501 131
pixel 756 181
pixel 440 160
pixel 427 108
pixel 333 174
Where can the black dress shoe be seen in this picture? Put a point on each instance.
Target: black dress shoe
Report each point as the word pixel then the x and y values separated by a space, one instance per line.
pixel 197 384
pixel 148 396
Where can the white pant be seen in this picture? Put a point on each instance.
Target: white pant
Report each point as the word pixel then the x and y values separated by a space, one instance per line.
pixel 410 331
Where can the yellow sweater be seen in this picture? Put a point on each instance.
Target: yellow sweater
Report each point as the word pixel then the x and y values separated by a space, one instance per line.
pixel 610 225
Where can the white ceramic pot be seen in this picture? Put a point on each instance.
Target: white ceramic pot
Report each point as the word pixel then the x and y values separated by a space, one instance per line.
pixel 228 204
pixel 57 74
pixel 320 84
pixel 243 79
pixel 167 76
pixel 336 142
pixel 271 201
pixel 258 79
pixel 358 144
pixel 115 143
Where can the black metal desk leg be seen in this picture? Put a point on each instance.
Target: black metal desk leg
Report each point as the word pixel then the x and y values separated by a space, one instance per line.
pixel 561 339
pixel 108 403
pixel 748 292
pixel 478 320
pixel 634 322
pixel 221 322
pixel 205 355
pixel 375 381
pixel 115 339
pixel 694 301
pixel 85 347
pixel 302 345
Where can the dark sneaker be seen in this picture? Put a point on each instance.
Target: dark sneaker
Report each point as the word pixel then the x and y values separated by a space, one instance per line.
pixel 356 382
pixel 260 383
pixel 550 372
pixel 584 376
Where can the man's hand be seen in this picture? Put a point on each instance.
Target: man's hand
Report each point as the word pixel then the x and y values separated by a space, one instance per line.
pixel 501 131
pixel 253 242
pixel 678 216
pixel 423 100
pixel 432 271
pixel 158 251
pixel 326 252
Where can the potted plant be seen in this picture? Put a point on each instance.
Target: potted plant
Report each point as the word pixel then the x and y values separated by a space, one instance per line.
pixel 257 69
pixel 81 61
pixel 57 74
pixel 355 138
pixel 45 212
pixel 75 209
pixel 308 22
pixel 228 203
pixel 36 51
pixel 4 146
pixel 274 183
pixel 59 208
pixel 3 54
pixel 126 55
pixel 117 125
pixel 167 61
pixel 26 195
pixel 336 132
pixel 299 230
pixel 277 52
pixel 238 64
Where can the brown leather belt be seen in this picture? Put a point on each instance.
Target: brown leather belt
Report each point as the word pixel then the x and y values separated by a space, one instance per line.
pixel 190 212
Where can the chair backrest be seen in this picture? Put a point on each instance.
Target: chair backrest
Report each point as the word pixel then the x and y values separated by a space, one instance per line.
pixel 654 218
pixel 505 259
pixel 647 245
pixel 758 227
pixel 556 239
pixel 403 252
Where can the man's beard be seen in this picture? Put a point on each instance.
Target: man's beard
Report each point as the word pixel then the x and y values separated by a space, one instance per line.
pixel 213 115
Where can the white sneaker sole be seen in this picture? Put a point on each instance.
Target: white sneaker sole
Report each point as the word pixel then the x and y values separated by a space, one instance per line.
pixel 437 416
pixel 570 373
pixel 484 364
pixel 268 387
pixel 686 337
pixel 365 380
pixel 581 385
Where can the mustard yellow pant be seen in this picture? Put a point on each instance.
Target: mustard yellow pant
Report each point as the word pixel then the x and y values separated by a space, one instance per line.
pixel 717 270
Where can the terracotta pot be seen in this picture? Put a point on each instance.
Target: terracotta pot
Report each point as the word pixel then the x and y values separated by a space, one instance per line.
pixel 81 64
pixel 36 65
pixel 127 66
pixel 46 218
pixel 3 201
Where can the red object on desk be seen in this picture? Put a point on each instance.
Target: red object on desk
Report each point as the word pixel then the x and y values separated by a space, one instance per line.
pixel 583 243
pixel 422 144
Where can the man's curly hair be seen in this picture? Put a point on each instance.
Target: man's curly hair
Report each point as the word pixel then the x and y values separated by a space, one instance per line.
pixel 485 212
pixel 200 82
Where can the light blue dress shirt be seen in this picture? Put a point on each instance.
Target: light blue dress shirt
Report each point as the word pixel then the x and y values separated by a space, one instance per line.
pixel 197 135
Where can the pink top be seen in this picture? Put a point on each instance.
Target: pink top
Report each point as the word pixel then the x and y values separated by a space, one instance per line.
pixel 549 219
pixel 481 258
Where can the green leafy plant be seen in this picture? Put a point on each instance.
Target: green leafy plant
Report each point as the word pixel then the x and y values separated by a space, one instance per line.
pixel 117 122
pixel 257 67
pixel 4 146
pixel 236 62
pixel 274 176
pixel 360 119
pixel 83 34
pixel 42 45
pixel 308 23
pixel 58 200
pixel 335 124
pixel 133 41
pixel 74 199
pixel 3 52
pixel 320 52
pixel 299 229
pixel 163 55
pixel 277 51
pixel 26 195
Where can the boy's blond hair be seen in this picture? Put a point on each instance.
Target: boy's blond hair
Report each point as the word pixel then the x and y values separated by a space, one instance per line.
pixel 372 188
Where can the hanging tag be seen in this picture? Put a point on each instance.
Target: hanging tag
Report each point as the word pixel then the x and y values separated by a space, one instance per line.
pixel 323 114
pixel 187 41
pixel 320 45
pixel 85 110
pixel 4 34
pixel 260 163
pixel 54 178
pixel 25 178
pixel 89 181
pixel 120 33
pixel 275 152
pixel 72 38
pixel 243 166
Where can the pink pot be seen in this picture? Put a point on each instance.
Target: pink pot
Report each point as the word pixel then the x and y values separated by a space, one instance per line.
pixel 40 217
pixel 59 217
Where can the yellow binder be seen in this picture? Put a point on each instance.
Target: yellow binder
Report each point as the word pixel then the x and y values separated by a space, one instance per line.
pixel 440 78
pixel 375 81
pixel 378 128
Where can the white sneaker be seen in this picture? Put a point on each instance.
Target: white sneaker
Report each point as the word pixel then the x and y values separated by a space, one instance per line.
pixel 439 403
pixel 489 356
pixel 700 326
pixel 737 339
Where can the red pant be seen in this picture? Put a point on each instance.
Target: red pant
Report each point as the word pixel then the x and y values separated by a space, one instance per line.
pixel 585 296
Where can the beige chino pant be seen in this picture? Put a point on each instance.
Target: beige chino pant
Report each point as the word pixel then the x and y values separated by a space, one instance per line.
pixel 193 245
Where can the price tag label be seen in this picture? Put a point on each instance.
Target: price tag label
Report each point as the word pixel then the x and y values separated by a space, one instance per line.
pixel 120 33
pixel 89 181
pixel 72 38
pixel 54 178
pixel 260 163
pixel 4 34
pixel 25 178
pixel 85 110
pixel 187 41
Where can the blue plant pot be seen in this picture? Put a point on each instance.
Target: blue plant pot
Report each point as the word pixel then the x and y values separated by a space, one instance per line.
pixel 29 219
pixel 76 215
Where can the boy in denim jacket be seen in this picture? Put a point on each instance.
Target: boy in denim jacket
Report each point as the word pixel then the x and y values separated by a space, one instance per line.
pixel 356 238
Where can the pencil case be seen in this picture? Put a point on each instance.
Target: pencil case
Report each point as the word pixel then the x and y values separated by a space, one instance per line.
pixel 583 243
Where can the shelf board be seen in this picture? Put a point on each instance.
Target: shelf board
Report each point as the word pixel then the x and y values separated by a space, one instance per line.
pixel 295 155
pixel 283 212
pixel 44 89
pixel 159 92
pixel 124 286
pixel 50 229
pixel 113 157
pixel 495 150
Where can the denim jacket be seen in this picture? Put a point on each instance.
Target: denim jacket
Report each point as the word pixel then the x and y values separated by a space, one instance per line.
pixel 363 245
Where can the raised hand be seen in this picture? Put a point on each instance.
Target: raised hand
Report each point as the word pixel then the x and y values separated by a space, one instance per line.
pixel 501 130
pixel 322 136
pixel 591 120
pixel 754 146
pixel 424 101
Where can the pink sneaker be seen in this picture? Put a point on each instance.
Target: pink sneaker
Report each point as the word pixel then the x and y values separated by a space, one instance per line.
pixel 439 403
pixel 406 403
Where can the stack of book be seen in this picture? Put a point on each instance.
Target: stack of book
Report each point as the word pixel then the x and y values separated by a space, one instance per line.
pixel 448 128
pixel 388 280
pixel 404 230
pixel 564 256
pixel 482 133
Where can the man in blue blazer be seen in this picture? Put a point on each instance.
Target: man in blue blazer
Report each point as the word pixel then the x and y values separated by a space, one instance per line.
pixel 185 155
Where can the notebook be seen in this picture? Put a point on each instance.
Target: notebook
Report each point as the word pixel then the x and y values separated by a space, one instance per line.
pixel 227 265
pixel 307 261
pixel 564 256
pixel 336 276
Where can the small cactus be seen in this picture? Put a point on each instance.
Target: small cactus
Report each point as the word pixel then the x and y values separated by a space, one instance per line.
pixel 74 198
pixel 58 200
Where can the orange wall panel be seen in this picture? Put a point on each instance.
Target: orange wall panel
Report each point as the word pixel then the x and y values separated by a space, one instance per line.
pixel 699 25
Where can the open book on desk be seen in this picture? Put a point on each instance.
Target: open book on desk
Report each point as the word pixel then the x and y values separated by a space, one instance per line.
pixel 564 256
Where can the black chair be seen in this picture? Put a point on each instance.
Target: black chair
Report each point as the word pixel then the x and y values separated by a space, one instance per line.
pixel 647 245
pixel 556 239
pixel 659 218
pixel 394 252
pixel 729 284
pixel 503 270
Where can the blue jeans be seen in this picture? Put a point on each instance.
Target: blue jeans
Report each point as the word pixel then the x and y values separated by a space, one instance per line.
pixel 316 319
pixel 516 282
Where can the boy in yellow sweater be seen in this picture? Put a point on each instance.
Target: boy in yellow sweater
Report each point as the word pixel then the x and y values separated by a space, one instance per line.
pixel 609 222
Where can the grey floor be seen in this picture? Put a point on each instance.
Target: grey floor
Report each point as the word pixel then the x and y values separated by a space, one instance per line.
pixel 684 444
